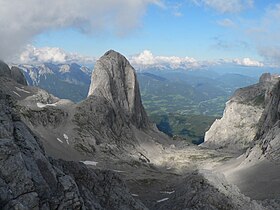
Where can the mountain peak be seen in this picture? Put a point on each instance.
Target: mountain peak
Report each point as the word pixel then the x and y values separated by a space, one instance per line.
pixel 115 80
pixel 112 53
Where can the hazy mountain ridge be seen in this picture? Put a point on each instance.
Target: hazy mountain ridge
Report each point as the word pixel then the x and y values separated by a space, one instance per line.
pixel 69 81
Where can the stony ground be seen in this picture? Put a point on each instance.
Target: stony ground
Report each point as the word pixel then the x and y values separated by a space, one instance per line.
pixel 184 175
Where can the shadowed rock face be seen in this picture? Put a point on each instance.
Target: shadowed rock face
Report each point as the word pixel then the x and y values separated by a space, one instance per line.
pixel 114 80
pixel 14 73
pixel 267 140
pixel 18 76
pixel 4 70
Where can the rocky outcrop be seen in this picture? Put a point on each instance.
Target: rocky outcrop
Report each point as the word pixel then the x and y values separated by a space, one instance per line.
pixel 18 76
pixel 114 80
pixel 267 140
pixel 113 112
pixel 13 73
pixel 31 180
pixel 240 122
pixel 4 70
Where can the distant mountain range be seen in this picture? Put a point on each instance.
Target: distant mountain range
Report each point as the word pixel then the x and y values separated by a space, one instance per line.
pixel 69 81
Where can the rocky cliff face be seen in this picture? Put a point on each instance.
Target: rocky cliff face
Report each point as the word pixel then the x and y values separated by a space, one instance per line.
pixel 256 172
pixel 18 76
pixel 114 80
pixel 31 180
pixel 113 114
pixel 267 140
pixel 13 73
pixel 4 70
pixel 240 122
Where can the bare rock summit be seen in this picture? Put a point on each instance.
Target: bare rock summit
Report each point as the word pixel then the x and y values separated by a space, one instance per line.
pixel 114 80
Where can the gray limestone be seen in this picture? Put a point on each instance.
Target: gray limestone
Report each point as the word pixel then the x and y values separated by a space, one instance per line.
pixel 4 70
pixel 114 80
pixel 240 122
pixel 13 73
pixel 18 76
pixel 31 180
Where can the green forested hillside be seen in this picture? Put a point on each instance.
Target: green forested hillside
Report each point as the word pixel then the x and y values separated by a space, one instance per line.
pixel 187 103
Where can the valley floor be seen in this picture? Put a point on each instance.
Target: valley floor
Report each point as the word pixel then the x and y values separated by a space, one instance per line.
pixel 191 175
pixel 185 175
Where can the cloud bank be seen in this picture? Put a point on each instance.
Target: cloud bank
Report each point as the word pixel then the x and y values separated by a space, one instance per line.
pixel 248 62
pixel 147 59
pixel 21 20
pixel 33 55
pixel 143 60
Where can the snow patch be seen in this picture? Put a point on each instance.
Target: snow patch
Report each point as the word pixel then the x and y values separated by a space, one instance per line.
pixel 16 94
pixel 87 162
pixel 66 138
pixel 58 139
pixel 22 90
pixel 41 105
pixel 167 192
pixel 134 195
pixel 164 199
pixel 118 171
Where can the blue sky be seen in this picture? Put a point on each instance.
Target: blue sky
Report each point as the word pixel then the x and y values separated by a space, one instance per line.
pixel 195 32
pixel 206 30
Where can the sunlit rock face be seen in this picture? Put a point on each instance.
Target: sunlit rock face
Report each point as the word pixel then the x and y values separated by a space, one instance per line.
pixel 240 122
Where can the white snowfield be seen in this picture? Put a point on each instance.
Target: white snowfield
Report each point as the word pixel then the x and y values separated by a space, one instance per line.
pixel 22 90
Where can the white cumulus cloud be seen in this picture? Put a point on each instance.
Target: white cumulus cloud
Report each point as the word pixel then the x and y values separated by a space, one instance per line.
pixel 248 62
pixel 21 20
pixel 33 55
pixel 147 59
